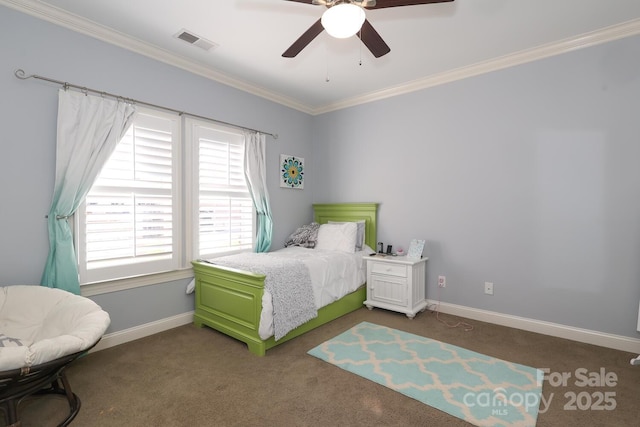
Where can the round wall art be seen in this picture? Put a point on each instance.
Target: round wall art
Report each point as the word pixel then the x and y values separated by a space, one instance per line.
pixel 291 171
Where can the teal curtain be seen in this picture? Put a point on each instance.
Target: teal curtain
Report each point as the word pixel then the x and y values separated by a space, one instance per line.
pixel 89 128
pixel 255 171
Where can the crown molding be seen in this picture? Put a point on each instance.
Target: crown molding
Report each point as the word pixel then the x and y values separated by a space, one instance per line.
pixel 89 28
pixel 108 35
pixel 607 34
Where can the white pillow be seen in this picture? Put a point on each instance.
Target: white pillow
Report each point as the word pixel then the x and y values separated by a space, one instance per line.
pixel 359 234
pixel 337 237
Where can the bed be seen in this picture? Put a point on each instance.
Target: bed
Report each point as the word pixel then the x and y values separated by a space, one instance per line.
pixel 229 300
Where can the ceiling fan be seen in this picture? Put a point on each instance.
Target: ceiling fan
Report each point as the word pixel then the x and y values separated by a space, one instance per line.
pixel 363 27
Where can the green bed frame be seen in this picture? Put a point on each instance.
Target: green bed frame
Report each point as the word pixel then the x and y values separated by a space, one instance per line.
pixel 230 300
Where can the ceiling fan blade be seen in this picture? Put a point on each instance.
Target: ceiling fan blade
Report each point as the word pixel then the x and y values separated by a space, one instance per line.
pixel 380 4
pixel 372 40
pixel 314 2
pixel 304 40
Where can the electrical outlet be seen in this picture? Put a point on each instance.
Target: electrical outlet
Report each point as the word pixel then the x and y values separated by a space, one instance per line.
pixel 488 288
pixel 442 282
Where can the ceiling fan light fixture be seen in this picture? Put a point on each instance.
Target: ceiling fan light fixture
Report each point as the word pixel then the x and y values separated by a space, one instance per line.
pixel 343 20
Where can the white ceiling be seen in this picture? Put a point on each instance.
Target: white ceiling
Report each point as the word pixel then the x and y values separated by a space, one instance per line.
pixel 430 44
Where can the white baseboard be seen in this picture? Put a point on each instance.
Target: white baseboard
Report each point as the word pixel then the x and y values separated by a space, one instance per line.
pixel 617 342
pixel 141 331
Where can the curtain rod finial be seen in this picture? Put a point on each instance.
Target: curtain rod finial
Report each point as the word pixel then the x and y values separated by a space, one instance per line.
pixel 19 73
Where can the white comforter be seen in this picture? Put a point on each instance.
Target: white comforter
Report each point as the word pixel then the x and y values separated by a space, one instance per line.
pixel 333 275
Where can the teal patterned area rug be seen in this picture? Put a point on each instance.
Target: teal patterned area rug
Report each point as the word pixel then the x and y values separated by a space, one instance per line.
pixel 479 389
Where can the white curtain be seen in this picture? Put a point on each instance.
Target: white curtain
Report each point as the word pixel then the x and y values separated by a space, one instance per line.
pixel 255 171
pixel 89 128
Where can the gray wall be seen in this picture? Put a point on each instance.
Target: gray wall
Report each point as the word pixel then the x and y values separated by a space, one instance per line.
pixel 28 111
pixel 526 177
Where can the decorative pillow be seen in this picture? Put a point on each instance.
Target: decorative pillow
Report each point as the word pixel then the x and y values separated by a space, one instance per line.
pixel 305 236
pixel 359 235
pixel 338 237
pixel 6 341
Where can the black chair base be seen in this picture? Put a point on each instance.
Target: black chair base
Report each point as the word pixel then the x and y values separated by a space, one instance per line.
pixel 45 379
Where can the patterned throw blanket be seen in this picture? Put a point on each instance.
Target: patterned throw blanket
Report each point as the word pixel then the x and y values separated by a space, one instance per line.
pixel 287 280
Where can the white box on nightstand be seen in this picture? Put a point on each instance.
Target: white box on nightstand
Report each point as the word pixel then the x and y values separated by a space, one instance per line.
pixel 396 283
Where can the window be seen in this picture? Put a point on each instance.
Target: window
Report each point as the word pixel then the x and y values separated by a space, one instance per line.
pixel 131 223
pixel 225 216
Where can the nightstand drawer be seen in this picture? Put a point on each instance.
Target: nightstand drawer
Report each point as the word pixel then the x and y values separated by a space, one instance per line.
pixel 389 269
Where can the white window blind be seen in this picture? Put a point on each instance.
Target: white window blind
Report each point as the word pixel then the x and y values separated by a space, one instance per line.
pixel 129 224
pixel 163 199
pixel 225 214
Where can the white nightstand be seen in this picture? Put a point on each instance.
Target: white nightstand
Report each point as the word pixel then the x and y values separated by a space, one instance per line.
pixel 396 283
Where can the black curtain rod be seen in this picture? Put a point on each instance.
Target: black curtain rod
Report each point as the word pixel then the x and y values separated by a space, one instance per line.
pixel 19 73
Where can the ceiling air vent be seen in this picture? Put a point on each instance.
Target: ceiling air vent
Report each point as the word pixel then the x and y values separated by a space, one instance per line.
pixel 195 40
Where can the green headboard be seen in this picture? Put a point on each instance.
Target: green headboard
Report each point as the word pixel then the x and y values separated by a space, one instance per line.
pixel 344 212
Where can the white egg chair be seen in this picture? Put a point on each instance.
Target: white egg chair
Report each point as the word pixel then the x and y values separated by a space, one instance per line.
pixel 43 330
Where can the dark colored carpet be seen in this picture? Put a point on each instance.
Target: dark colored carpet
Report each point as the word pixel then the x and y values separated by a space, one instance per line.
pixel 198 377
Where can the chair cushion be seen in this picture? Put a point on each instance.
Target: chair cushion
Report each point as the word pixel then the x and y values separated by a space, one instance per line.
pixel 50 322
pixel 6 341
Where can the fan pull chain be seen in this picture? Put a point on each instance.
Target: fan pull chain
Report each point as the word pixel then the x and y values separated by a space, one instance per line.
pixel 360 47
pixel 327 79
